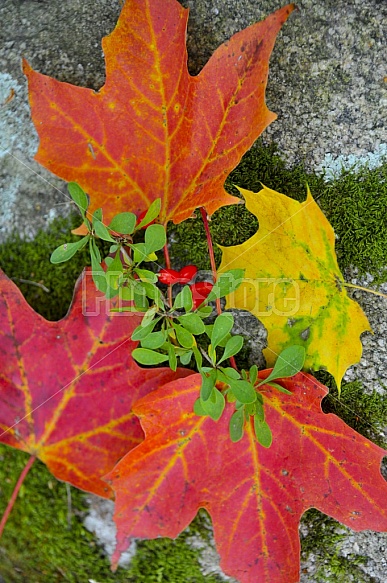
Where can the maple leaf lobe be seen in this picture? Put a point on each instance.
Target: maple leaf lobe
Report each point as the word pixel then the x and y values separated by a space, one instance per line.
pixel 153 131
pixel 67 387
pixel 255 496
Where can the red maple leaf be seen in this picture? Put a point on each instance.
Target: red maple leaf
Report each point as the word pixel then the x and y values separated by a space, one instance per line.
pixel 67 387
pixel 153 131
pixel 255 496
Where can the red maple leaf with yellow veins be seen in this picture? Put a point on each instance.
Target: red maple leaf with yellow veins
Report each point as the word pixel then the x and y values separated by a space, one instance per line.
pixel 154 131
pixel 254 495
pixel 67 387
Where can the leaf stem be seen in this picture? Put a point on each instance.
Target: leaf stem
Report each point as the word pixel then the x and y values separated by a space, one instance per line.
pixel 15 492
pixel 168 266
pixel 370 291
pixel 213 267
pixel 210 252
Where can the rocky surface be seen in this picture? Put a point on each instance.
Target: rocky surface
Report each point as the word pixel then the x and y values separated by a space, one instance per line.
pixel 327 84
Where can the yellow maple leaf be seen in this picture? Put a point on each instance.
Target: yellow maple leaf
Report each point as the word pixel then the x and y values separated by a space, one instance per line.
pixel 293 283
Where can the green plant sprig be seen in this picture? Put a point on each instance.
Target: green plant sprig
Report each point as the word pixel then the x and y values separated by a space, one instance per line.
pixel 123 274
pixel 168 330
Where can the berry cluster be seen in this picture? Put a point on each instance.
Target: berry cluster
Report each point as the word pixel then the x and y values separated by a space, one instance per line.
pixel 200 290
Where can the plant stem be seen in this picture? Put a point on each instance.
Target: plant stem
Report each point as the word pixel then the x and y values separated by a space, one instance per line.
pixel 370 291
pixel 213 267
pixel 210 252
pixel 168 266
pixel 15 492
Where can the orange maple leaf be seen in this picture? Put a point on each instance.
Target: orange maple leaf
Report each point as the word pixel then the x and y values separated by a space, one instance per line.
pixel 153 130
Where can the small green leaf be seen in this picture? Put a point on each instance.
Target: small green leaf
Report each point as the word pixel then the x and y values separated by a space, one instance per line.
pixel 96 251
pixel 253 374
pixel 155 238
pixel 184 300
pixel 237 422
pixel 198 409
pixel 79 197
pixel 139 295
pixel 140 299
pixel 186 357
pixel 226 283
pixel 154 340
pixel 110 292
pixel 206 368
pixel 97 272
pixel 142 331
pixel 208 383
pixel 249 410
pixel 279 388
pixel 290 362
pixel 204 311
pixel 153 292
pixel 259 411
pixel 243 391
pixel 228 373
pixel 68 250
pixel 114 271
pixel 123 223
pixel 97 215
pixel 198 357
pixel 209 328
pixel 259 397
pixel 149 316
pixel 262 432
pixel 192 322
pixel 152 213
pixel 101 231
pixel 222 326
pixel 127 292
pixel 146 275
pixel 184 337
pixel 127 259
pixel 139 252
pixel 233 346
pixel 214 407
pixel 148 357
pixel 212 354
pixel 172 357
pixel 230 397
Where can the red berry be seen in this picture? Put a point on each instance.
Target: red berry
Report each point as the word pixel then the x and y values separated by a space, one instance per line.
pixel 200 291
pixel 168 276
pixel 187 273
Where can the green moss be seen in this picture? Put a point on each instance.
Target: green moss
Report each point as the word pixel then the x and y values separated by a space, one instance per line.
pixel 30 261
pixel 365 413
pixel 356 204
pixel 40 544
pixel 166 561
pixel 323 542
